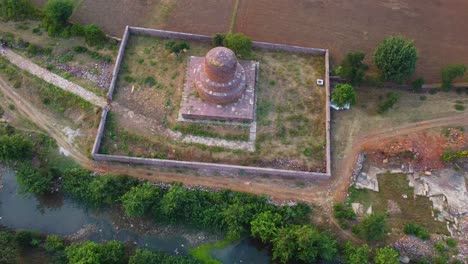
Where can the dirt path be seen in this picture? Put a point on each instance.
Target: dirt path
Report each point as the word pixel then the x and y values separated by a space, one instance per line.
pixel 53 78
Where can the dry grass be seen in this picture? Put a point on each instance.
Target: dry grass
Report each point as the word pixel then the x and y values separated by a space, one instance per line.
pixel 291 109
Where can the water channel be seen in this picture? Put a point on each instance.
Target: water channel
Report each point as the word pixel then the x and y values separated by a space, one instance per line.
pixel 64 217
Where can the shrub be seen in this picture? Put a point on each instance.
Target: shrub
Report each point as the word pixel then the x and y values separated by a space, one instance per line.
pixel 372 227
pixel 26 239
pixel 80 49
pixel 56 15
pixel 112 252
pixel 35 181
pixel 459 107
pixel 77 30
pixel 386 255
pixel 16 9
pixel 107 189
pixel 355 254
pixel 15 147
pixel 218 39
pixel 451 242
pixel 396 58
pixel 352 69
pixel 265 225
pixel 389 102
pixel 342 211
pixel 343 94
pixel 449 155
pixel 177 47
pixel 8 251
pixel 451 72
pixel 416 230
pixel 140 199
pixel 53 244
pixel 94 35
pixel 417 84
pixel 239 43
pixel 150 81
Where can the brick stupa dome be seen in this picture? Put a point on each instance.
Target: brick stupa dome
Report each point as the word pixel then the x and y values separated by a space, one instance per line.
pixel 220 79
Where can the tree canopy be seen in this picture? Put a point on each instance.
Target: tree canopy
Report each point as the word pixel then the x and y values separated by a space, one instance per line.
pixel 386 255
pixel 372 227
pixel 112 252
pixel 140 199
pixel 16 9
pixel 239 43
pixel 15 147
pixel 56 15
pixel 449 73
pixel 32 180
pixel 352 69
pixel 343 94
pixel 396 58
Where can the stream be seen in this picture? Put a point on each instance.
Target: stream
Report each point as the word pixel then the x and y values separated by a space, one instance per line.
pixel 64 217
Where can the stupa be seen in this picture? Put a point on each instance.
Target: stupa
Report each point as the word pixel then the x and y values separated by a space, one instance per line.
pixel 220 87
pixel 220 79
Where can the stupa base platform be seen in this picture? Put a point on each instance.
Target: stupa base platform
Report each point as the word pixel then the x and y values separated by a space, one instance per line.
pixel 193 107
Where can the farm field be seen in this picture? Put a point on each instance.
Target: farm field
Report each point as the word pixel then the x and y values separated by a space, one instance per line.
pixel 437 27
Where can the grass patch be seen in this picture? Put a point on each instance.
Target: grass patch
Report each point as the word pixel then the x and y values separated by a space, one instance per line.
pixel 392 187
pixel 202 253
pixel 209 131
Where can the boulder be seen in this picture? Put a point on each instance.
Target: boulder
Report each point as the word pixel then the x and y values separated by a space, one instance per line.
pixel 404 259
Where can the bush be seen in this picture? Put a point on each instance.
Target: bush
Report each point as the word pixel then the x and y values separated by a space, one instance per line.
pixel 356 255
pixel 386 255
pixel 16 10
pixel 80 49
pixel 177 47
pixel 352 69
pixel 94 35
pixel 8 251
pixel 112 252
pixel 107 189
pixel 140 199
pixel 302 243
pixel 53 244
pixel 77 30
pixel 15 147
pixel 265 225
pixel 343 94
pixel 342 211
pixel 372 227
pixel 35 181
pixel 459 107
pixel 417 84
pixel 239 43
pixel 451 72
pixel 27 239
pixel 449 155
pixel 389 102
pixel 396 58
pixel 218 39
pixel 451 242
pixel 56 15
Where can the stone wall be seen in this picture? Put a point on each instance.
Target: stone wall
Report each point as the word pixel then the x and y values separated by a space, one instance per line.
pixel 201 165
pixel 210 166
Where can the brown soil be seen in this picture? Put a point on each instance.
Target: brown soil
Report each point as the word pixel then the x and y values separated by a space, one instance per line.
pixel 437 27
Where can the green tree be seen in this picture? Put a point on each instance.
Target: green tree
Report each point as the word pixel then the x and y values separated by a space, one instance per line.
pixel 35 181
pixel 372 227
pixel 56 15
pixel 451 72
pixel 94 35
pixel 16 9
pixel 113 252
pixel 143 256
pixel 15 147
pixel 140 199
pixel 386 255
pixel 176 203
pixel 355 254
pixel 396 58
pixel 107 189
pixel 284 245
pixel 76 183
pixel 235 216
pixel 8 250
pixel 218 39
pixel 239 43
pixel 265 225
pixel 53 244
pixel 343 94
pixel 84 253
pixel 352 69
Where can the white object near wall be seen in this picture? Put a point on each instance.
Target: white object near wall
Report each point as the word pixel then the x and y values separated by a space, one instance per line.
pixel 319 82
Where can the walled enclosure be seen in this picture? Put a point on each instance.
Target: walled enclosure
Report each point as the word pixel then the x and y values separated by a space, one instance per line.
pixel 202 165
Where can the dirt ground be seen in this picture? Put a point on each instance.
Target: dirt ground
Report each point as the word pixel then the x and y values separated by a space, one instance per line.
pixel 436 26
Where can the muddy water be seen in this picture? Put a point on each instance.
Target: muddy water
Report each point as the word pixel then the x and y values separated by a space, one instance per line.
pixel 64 217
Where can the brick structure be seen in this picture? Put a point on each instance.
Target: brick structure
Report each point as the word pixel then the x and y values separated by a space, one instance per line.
pixel 220 79
pixel 219 87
